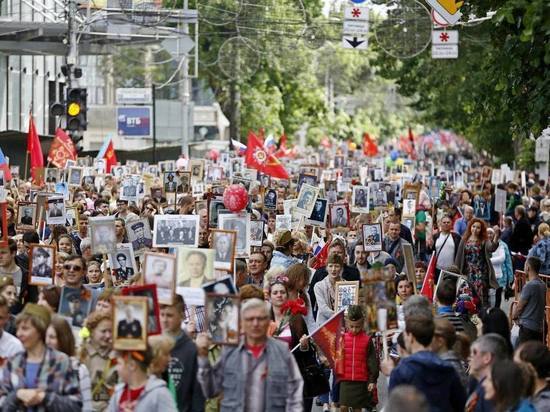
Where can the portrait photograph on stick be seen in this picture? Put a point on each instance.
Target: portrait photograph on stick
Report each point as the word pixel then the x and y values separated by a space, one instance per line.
pixel 130 322
pixel 42 258
pixel 224 242
pixel 160 269
pixel 222 318
pixel 150 292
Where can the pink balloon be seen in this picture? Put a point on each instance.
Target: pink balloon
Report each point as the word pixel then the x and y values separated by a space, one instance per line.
pixel 213 154
pixel 235 198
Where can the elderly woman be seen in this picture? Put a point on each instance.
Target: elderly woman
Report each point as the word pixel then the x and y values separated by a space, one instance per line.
pixel 39 378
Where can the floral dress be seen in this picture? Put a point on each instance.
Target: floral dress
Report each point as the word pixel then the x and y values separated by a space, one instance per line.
pixel 476 269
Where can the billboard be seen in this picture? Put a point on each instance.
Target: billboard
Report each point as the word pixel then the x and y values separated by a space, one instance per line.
pixel 134 121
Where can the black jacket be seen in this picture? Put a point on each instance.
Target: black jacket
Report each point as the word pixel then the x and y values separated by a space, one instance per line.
pixel 522 237
pixel 183 370
pixel 350 273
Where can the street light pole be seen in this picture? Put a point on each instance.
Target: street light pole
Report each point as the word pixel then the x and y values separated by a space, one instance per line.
pixel 185 90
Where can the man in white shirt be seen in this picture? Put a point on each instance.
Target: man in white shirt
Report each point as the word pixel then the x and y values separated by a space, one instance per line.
pixel 9 344
pixel 446 244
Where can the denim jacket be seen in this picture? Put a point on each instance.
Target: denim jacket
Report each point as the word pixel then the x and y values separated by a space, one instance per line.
pixel 542 250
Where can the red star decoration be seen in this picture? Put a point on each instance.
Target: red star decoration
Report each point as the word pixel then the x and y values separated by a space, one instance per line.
pixel 444 37
pixel 356 12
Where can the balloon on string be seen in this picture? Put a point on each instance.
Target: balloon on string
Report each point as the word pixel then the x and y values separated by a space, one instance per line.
pixel 235 198
pixel 394 154
pixel 214 154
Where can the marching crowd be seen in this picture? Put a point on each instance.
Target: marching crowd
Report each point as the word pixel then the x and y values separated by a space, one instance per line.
pixel 435 336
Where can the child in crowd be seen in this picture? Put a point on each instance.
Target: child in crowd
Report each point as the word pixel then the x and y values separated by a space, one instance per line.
pixel 359 365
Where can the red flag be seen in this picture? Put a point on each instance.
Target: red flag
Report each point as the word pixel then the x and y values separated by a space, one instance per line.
pixel 34 148
pixel 428 283
pixel 328 337
pixel 321 257
pixel 110 157
pixel 257 158
pixel 369 146
pixel 62 149
pixel 281 151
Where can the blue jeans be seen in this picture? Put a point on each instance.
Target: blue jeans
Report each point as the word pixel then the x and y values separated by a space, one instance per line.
pixel 334 393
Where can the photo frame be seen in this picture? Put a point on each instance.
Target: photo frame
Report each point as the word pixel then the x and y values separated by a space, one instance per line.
pixel 270 199
pixel 379 292
pixel 283 222
pixel 160 269
pixel 408 256
pixel 223 318
pixel 102 233
pixel 139 235
pixel 224 242
pixel 318 216
pixel 195 267
pixel 445 274
pixel 75 176
pixel 306 199
pixel 148 291
pixel 222 286
pixel 411 191
pixel 196 167
pixel 75 305
pixel 339 215
pixel 360 199
pixel 26 215
pixel 372 237
pixel 41 265
pixel 214 206
pixel 409 207
pixel 256 232
pixel 130 315
pixel 55 213
pixel 170 182
pixel 176 230
pixel 129 190
pixel 239 222
pixel 347 293
pixel 310 179
pixel 53 174
pixel 123 264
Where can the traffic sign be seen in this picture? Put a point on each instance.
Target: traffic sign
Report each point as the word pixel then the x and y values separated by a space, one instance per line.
pixel 355 42
pixel 444 51
pixel 134 121
pixel 448 9
pixel 178 47
pixel 445 37
pixel 356 13
pixel 134 95
pixel 356 27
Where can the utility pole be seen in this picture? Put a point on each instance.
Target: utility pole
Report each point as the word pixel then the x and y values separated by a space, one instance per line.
pixel 185 91
pixel 72 52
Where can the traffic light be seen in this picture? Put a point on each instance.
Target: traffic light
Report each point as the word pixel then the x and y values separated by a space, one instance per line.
pixel 76 109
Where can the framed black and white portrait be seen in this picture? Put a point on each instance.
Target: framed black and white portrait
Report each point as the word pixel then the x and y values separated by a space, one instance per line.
pixel 195 267
pixel 196 167
pixel 283 222
pixel 103 235
pixel 224 242
pixel 42 268
pixel 184 184
pixel 372 237
pixel 26 215
pixel 75 305
pixel 55 214
pixel 160 269
pixel 241 224
pixel 339 215
pixel 222 318
pixel 123 264
pixel 347 293
pixel 256 232
pixel 139 235
pixel 52 174
pixel 75 176
pixel 130 317
pixel 176 230
pixel 150 292
pixel 170 182
pixel 360 199
pixel 270 199
pixel 214 206
pixel 306 199
pixel 318 216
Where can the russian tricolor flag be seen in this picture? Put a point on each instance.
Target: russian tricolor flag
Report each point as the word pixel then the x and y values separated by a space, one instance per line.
pixel 4 166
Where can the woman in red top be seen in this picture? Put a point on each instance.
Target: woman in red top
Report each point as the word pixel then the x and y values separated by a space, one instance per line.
pixel 359 366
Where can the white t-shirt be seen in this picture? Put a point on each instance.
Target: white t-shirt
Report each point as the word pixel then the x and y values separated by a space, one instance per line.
pixel 9 345
pixel 446 257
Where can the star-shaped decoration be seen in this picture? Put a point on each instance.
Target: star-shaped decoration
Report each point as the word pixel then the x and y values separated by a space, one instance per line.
pixel 356 12
pixel 444 37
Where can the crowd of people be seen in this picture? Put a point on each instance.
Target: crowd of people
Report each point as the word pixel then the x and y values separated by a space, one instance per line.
pixel 432 267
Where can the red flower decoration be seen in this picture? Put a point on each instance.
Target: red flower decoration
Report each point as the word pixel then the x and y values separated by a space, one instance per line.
pixel 294 307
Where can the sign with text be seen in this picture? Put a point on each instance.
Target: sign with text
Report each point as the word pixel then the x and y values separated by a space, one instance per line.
pixel 134 121
pixel 134 95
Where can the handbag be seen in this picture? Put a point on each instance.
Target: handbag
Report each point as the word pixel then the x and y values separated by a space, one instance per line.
pixel 315 381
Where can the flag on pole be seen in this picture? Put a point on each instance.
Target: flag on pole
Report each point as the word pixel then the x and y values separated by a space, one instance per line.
pixel 369 146
pixel 321 257
pixel 33 148
pixel 239 147
pixel 62 149
pixel 259 159
pixel 328 338
pixel 428 283
pixel 107 152
pixel 4 166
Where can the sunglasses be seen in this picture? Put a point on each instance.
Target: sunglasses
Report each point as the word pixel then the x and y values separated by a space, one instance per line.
pixel 76 268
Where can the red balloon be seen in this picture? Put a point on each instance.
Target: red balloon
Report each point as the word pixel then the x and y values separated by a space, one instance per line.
pixel 213 154
pixel 235 198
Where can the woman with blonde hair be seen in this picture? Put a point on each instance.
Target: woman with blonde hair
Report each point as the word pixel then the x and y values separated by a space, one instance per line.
pixel 541 249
